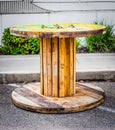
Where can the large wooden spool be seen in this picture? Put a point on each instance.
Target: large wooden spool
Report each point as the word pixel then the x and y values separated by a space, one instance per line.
pixel 57 92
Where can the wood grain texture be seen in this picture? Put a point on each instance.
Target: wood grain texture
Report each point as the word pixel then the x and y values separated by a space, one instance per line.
pixel 49 67
pixel 72 66
pixel 41 67
pixel 45 70
pixel 74 62
pixel 67 67
pixel 86 97
pixel 55 67
pixel 62 89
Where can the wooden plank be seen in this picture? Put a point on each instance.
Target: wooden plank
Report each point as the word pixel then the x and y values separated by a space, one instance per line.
pixel 49 68
pixel 67 67
pixel 41 67
pixel 45 65
pixel 91 88
pixel 71 66
pixel 61 67
pixel 74 40
pixel 55 65
pixel 38 99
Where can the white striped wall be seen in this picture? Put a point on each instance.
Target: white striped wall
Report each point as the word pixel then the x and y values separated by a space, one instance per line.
pixel 76 5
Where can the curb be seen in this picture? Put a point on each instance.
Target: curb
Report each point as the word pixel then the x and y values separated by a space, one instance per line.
pixel 35 77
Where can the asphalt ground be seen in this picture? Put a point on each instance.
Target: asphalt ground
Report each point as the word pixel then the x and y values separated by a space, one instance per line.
pixel 100 118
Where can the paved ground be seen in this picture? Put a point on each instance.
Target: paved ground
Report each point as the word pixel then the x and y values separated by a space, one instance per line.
pixel 100 118
pixel 27 68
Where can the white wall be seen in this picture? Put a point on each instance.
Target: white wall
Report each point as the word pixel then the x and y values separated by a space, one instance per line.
pixel 76 6
pixel 21 19
pixel 109 17
pixel 72 17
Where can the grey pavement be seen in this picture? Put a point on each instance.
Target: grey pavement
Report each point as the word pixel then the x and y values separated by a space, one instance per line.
pixel 90 66
pixel 100 118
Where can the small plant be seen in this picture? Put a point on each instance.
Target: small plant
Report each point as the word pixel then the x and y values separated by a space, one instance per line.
pixel 18 45
pixel 78 43
pixel 102 43
pixel 81 45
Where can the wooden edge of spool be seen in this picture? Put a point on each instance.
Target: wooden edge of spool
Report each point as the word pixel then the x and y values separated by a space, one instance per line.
pixel 85 98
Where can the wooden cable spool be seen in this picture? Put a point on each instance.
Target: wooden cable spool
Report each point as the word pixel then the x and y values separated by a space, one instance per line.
pixel 58 67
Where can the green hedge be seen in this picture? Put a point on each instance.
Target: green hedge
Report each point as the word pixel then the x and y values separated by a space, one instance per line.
pixel 17 45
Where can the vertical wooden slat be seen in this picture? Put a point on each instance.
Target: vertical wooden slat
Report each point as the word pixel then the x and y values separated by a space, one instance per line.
pixel 55 67
pixel 71 66
pixel 41 67
pixel 74 65
pixel 67 67
pixel 45 65
pixel 49 67
pixel 61 67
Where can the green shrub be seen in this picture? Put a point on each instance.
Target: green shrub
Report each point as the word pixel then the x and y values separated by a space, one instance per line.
pixel 102 43
pixel 18 45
